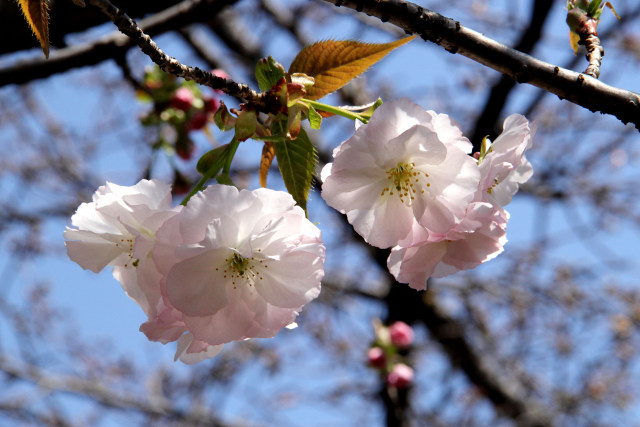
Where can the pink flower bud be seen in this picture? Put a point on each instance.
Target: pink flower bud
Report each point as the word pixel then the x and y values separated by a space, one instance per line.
pixel 401 334
pixel 185 148
pixel 182 99
pixel 210 105
pixel 198 121
pixel 400 376
pixel 377 358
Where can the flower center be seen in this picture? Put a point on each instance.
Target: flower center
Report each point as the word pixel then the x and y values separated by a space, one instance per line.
pixel 242 270
pixel 126 244
pixel 495 183
pixel 405 181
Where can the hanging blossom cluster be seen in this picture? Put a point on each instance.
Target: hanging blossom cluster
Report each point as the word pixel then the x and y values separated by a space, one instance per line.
pixel 229 266
pixel 406 180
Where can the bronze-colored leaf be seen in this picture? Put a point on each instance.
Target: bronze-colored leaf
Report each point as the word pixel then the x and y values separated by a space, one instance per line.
pixel 37 14
pixel 333 63
pixel 268 153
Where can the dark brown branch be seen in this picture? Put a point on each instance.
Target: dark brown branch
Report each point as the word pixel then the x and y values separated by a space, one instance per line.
pixel 170 65
pixel 455 38
pixel 111 46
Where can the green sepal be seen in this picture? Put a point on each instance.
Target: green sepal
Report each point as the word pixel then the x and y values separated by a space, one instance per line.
pixel 210 159
pixel 223 118
pixel 315 119
pixel 268 72
pixel 246 125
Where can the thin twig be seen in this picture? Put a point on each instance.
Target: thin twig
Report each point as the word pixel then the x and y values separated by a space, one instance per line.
pixel 128 27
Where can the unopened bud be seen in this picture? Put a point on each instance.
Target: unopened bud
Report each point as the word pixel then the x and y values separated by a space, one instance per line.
pixel 400 376
pixel 182 99
pixel 377 358
pixel 401 334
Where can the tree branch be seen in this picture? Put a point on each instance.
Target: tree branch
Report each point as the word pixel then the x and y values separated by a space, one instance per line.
pixel 261 102
pixel 111 46
pixel 455 38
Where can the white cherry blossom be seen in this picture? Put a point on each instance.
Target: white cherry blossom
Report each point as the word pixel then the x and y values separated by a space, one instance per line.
pixel 406 165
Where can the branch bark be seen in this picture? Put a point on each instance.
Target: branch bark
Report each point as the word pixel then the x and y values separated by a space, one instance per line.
pixel 111 46
pixel 566 84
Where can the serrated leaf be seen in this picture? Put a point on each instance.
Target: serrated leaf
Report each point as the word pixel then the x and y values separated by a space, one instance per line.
pixel 211 158
pixel 333 63
pixel 268 153
pixel 268 72
pixel 297 162
pixel 36 13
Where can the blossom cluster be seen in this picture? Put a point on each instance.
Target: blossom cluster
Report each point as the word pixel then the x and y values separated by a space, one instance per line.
pixel 228 266
pixel 406 180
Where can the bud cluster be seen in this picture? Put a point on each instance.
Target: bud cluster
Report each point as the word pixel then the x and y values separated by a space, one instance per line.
pixel 388 353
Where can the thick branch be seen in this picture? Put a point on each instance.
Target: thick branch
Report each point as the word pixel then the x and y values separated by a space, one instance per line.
pixel 455 38
pixel 111 46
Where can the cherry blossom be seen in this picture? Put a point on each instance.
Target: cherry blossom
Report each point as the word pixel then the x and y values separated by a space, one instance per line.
pixel 234 265
pixel 480 237
pixel 505 166
pixel 118 227
pixel 406 165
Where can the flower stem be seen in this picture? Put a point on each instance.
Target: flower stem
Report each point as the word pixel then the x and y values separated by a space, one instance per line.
pixel 223 161
pixel 336 110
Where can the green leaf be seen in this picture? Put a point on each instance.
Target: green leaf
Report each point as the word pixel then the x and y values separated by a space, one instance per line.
pixel 268 72
pixel 210 158
pixel 315 119
pixel 297 162
pixel 333 63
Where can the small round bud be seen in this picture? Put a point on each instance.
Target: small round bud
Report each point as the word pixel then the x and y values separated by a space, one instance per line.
pixel 377 358
pixel 198 121
pixel 185 148
pixel 401 334
pixel 210 104
pixel 182 99
pixel 400 376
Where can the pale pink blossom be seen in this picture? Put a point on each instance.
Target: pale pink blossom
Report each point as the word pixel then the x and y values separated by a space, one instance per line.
pixel 118 228
pixel 401 334
pixel 480 237
pixel 235 265
pixel 407 165
pixel 505 166
pixel 401 376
